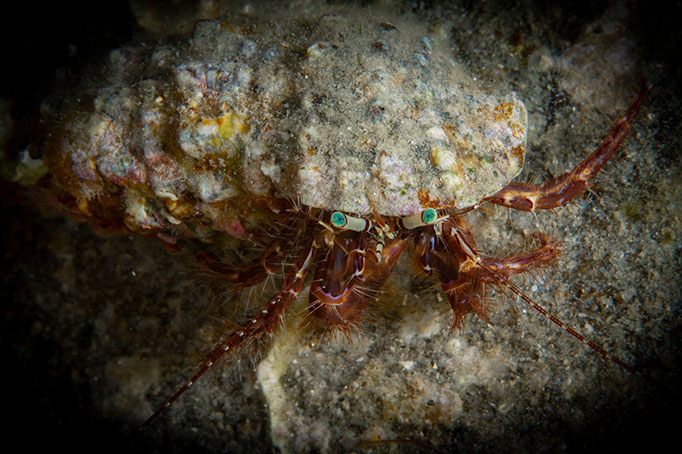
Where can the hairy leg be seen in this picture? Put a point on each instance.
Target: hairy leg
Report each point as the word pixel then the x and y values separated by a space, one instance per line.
pixel 242 276
pixel 267 321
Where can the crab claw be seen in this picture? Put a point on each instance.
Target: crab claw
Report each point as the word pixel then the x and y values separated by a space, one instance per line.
pixel 348 277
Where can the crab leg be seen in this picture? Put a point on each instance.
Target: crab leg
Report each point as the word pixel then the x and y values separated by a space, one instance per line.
pixel 497 272
pixel 267 321
pixel 464 273
pixel 244 276
pixel 528 197
pixel 438 254
pixel 502 269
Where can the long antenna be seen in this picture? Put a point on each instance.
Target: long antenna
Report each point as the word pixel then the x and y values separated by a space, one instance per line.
pixel 504 282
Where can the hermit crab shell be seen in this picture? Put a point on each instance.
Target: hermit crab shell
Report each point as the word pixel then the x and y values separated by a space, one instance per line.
pixel 346 112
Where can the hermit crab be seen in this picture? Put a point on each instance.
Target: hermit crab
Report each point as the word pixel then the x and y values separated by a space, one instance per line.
pixel 333 142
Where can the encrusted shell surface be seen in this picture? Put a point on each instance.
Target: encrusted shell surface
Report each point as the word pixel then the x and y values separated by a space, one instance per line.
pixel 341 112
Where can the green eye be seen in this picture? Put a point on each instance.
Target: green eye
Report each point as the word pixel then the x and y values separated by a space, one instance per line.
pixel 426 217
pixel 429 216
pixel 339 220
